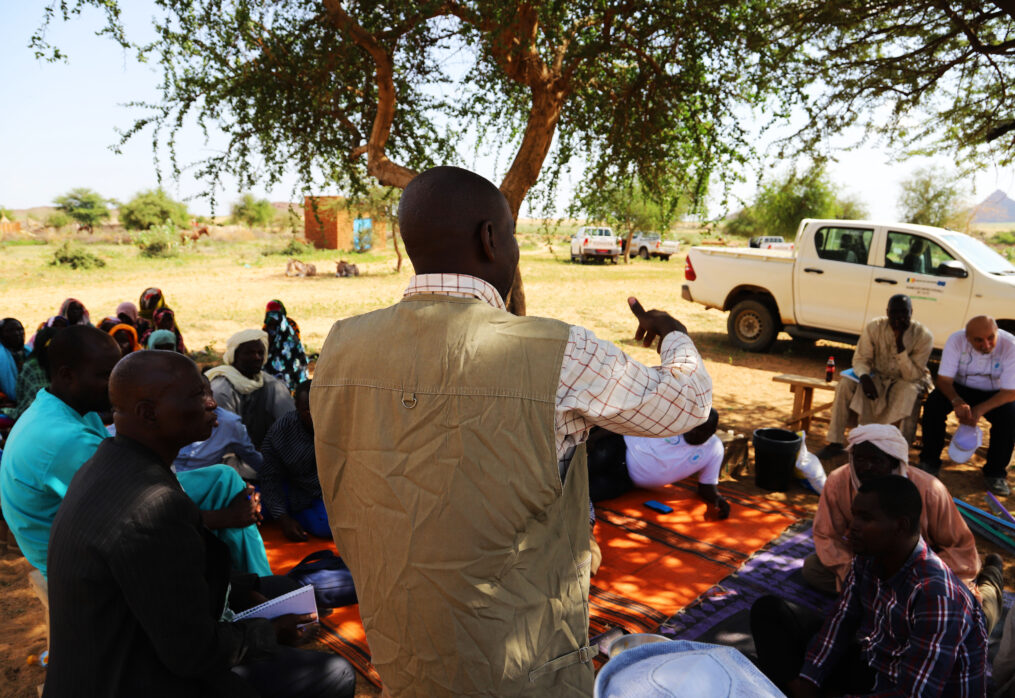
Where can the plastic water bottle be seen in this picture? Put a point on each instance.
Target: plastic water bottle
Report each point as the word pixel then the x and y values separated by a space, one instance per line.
pixel 830 369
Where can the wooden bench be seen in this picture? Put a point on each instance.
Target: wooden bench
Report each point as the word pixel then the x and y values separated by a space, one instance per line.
pixel 804 411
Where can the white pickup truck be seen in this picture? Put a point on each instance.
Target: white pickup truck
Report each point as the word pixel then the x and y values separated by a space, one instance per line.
pixel 841 275
pixel 647 245
pixel 594 242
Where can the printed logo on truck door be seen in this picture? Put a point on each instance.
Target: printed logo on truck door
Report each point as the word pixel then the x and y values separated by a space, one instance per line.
pixel 916 254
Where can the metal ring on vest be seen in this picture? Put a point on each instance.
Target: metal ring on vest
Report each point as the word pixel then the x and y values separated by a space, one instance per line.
pixel 409 400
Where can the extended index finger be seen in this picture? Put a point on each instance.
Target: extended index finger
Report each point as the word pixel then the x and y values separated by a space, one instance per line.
pixel 636 307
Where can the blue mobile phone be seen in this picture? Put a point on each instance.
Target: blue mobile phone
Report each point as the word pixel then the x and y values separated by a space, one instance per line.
pixel 658 506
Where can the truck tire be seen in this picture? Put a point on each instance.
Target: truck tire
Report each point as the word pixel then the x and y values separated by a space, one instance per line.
pixel 574 258
pixel 752 326
pixel 664 257
pixel 643 253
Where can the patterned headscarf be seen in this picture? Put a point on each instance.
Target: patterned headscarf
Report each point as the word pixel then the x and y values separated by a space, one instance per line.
pixel 129 329
pixel 86 319
pixel 286 357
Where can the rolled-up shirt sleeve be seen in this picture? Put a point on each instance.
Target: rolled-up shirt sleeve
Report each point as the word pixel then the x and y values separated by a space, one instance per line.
pixel 601 386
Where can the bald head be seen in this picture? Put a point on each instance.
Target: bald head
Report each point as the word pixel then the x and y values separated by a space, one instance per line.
pixel 81 359
pixel 454 221
pixel 159 400
pixel 900 312
pixel 981 331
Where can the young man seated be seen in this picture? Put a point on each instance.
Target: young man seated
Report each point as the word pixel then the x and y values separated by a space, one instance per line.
pixel 619 463
pixel 140 592
pixel 876 450
pixel 289 484
pixel 904 625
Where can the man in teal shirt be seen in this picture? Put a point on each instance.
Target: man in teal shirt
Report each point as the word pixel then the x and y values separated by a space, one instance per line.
pixel 55 436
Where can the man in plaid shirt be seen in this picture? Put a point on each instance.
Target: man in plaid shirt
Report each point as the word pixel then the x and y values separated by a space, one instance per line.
pixel 903 616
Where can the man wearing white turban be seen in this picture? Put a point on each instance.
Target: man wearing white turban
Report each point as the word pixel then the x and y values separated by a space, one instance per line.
pixel 242 387
pixel 876 450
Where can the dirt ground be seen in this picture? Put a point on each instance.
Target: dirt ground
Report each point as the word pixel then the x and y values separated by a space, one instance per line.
pixel 593 296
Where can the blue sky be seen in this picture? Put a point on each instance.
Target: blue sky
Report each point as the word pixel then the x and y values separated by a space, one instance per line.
pixel 59 119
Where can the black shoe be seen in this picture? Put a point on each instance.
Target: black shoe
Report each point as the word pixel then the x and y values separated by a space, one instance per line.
pixel 998 485
pixel 831 450
pixel 992 571
pixel 934 470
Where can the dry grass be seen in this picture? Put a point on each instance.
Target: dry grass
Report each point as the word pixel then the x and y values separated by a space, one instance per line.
pixel 218 288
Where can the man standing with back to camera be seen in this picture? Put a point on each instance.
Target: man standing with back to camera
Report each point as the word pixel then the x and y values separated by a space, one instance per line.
pixel 448 439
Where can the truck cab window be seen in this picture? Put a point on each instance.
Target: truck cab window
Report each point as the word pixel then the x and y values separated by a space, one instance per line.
pixel 843 244
pixel 914 253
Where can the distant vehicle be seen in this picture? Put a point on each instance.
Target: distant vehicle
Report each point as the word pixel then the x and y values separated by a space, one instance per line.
pixel 647 245
pixel 840 277
pixel 594 242
pixel 765 242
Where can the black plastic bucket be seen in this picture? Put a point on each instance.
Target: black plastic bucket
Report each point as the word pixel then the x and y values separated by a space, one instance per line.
pixel 775 453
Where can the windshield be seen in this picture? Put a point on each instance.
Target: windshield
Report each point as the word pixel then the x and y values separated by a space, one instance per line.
pixel 979 254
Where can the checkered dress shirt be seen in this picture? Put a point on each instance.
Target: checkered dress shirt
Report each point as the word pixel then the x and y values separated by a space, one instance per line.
pixel 599 384
pixel 920 630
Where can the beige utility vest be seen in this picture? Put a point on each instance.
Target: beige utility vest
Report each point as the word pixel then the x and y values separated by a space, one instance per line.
pixel 434 428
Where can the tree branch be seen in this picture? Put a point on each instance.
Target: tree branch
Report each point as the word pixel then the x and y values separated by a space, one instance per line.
pixel 379 165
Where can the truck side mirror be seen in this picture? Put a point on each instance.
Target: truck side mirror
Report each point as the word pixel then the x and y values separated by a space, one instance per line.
pixel 952 268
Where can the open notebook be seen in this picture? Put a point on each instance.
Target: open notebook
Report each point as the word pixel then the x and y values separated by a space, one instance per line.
pixel 299 601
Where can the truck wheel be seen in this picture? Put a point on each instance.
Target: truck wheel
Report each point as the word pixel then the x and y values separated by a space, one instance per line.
pixel 574 258
pixel 664 257
pixel 752 326
pixel 643 253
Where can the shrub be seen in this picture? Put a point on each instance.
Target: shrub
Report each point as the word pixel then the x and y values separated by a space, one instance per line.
pixel 151 208
pixel 295 248
pixel 253 212
pixel 76 257
pixel 57 219
pixel 158 241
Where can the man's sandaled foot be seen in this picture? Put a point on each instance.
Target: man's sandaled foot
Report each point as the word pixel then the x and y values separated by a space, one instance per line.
pixel 831 450
pixel 998 486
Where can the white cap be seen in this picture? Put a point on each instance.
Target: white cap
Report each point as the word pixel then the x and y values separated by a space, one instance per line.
pixel 682 668
pixel 964 442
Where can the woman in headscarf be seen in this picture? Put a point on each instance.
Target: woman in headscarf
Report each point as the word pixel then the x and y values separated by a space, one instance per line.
pixel 109 323
pixel 152 301
pixel 243 388
pixel 126 337
pixel 57 322
pixel 161 339
pixel 34 376
pixel 286 358
pixel 127 313
pixel 75 312
pixel 12 356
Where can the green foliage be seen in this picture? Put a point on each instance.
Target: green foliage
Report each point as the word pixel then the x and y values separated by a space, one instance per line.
pixel 294 248
pixel 253 212
pixel 782 203
pixel 930 76
pixel 654 89
pixel 85 206
pixel 929 197
pixel 57 219
pixel 75 256
pixel 6 213
pixel 1006 237
pixel 153 207
pixel 158 240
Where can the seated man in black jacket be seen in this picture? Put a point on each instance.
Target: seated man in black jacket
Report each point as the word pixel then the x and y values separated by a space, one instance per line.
pixel 140 592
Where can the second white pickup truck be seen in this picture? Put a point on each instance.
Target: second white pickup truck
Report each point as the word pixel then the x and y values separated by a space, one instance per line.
pixel 840 277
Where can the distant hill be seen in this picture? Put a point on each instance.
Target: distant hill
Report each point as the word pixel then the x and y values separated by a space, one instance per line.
pixel 996 208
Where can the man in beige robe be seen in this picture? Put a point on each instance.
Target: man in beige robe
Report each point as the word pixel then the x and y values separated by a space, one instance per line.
pixel 890 363
pixel 877 450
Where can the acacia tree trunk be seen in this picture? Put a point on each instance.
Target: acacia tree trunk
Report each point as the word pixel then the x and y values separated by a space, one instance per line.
pixel 394 241
pixel 543 117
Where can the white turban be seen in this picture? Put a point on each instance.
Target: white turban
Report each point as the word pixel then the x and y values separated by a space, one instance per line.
pixel 242 337
pixel 885 436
